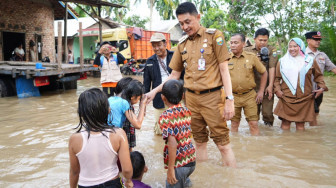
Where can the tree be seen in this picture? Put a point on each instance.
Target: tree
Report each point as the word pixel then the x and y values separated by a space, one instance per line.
pixel 285 18
pixel 136 21
pixel 166 8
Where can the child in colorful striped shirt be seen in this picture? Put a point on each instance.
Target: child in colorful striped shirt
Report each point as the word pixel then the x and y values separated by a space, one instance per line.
pixel 179 152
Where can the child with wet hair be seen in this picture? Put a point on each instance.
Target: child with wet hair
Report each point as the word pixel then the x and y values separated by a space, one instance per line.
pixel 139 169
pixel 122 111
pixel 179 152
pixel 95 147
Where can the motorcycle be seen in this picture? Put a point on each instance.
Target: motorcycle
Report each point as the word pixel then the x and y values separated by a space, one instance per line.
pixel 131 68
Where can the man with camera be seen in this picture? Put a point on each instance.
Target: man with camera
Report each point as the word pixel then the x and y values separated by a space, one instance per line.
pixel 108 59
pixel 268 56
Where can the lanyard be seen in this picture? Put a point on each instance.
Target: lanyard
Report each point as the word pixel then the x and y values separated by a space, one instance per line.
pixel 163 66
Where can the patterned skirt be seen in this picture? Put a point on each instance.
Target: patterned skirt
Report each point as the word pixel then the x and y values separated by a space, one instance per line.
pixel 130 133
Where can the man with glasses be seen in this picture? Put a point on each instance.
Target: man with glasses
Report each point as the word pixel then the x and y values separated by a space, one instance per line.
pixel 156 72
pixel 314 40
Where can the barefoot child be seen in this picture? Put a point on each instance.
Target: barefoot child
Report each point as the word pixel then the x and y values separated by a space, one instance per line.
pixel 179 152
pixel 94 151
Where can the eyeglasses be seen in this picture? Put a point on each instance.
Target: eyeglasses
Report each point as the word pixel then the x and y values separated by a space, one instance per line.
pixel 316 39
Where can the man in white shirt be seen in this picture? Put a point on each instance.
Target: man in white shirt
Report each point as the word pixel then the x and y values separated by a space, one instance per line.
pixel 19 52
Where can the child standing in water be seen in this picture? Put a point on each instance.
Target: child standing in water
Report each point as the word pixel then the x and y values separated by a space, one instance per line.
pixel 94 151
pixel 139 169
pixel 179 152
pixel 122 108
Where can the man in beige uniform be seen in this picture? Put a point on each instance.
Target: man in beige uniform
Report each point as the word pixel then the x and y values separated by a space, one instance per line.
pixel 314 40
pixel 269 60
pixel 204 56
pixel 242 66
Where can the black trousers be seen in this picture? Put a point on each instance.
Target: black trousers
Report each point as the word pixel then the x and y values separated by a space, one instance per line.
pixel 110 91
pixel 116 183
pixel 317 103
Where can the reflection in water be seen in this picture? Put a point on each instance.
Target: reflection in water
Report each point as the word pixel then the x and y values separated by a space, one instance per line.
pixel 35 131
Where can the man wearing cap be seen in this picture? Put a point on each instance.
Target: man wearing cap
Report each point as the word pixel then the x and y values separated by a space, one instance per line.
pixel 314 40
pixel 156 72
pixel 269 60
pixel 203 55
pixel 108 58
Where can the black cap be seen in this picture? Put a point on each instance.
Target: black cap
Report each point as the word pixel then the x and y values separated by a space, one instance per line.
pixel 313 35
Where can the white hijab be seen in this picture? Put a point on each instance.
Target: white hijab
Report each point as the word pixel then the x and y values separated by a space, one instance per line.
pixel 291 67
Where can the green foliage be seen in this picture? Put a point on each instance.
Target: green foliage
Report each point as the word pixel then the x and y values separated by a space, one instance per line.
pixel 136 21
pixel 166 8
pixel 203 6
pixel 328 44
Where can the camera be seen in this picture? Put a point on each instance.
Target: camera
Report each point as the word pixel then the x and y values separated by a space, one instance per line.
pixel 264 54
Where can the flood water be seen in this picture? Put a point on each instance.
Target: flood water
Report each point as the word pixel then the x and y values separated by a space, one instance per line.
pixel 34 137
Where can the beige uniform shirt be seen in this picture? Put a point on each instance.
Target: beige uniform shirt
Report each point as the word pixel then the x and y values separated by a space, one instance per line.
pixel 242 71
pixel 273 59
pixel 188 53
pixel 322 60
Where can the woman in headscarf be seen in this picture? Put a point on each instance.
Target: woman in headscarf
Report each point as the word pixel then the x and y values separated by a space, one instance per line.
pixel 294 88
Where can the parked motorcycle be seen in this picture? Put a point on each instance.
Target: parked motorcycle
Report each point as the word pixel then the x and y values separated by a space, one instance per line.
pixel 131 68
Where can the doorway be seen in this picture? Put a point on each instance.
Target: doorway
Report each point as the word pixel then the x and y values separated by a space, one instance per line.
pixel 38 39
pixel 11 40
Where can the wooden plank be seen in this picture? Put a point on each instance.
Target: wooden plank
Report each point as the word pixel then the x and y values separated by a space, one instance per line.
pixel 81 45
pixel 100 26
pixel 66 33
pixel 59 46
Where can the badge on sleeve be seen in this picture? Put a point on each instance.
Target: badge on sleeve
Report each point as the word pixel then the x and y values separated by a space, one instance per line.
pixel 219 41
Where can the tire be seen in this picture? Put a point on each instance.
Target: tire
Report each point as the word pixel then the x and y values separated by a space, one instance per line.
pixel 70 85
pixel 3 88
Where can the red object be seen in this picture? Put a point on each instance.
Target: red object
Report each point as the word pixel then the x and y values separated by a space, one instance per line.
pixel 141 49
pixel 41 81
pixel 83 76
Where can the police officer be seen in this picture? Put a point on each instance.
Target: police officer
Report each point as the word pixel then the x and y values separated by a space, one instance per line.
pixel 204 56
pixel 269 60
pixel 314 40
pixel 242 66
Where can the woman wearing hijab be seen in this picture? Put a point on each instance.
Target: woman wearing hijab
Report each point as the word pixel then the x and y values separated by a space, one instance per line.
pixel 294 88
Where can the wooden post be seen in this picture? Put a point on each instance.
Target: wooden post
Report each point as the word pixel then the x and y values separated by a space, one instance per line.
pixel 59 46
pixel 100 26
pixel 65 33
pixel 81 45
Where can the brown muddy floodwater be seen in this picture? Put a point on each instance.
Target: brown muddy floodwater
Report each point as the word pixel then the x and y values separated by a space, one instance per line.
pixel 34 137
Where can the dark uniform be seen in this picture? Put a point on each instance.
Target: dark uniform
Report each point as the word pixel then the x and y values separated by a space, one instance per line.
pixel 266 105
pixel 204 96
pixel 243 84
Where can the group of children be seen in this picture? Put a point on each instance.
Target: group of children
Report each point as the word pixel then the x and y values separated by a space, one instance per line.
pixel 102 145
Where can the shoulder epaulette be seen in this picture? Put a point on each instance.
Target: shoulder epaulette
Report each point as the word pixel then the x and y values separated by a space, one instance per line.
pixel 182 39
pixel 210 30
pixel 249 53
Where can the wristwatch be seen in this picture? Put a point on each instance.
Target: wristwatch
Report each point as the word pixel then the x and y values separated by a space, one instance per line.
pixel 230 97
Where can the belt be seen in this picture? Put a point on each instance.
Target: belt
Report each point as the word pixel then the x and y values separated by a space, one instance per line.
pixel 205 91
pixel 191 164
pixel 242 93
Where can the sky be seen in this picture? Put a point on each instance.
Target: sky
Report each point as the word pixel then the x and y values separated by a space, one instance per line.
pixel 142 9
